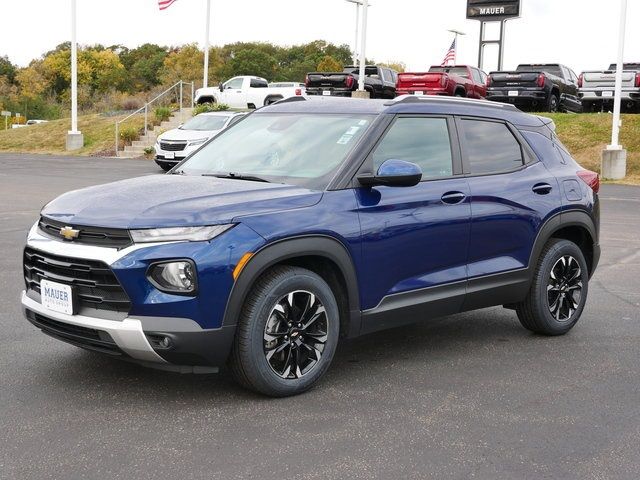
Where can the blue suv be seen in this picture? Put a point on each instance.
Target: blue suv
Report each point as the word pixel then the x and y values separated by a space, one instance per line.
pixel 313 220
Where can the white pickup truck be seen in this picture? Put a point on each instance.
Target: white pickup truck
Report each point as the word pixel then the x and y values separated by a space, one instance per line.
pixel 246 92
pixel 596 89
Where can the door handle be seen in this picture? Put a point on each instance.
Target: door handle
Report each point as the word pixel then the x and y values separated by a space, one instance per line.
pixel 542 188
pixel 453 198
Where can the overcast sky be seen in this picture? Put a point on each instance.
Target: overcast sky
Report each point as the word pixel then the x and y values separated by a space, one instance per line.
pixel 583 34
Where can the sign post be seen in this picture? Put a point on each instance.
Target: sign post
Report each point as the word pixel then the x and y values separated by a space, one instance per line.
pixel 487 11
pixel 6 116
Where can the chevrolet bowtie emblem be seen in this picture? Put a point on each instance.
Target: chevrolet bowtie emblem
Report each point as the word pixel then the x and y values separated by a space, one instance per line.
pixel 69 233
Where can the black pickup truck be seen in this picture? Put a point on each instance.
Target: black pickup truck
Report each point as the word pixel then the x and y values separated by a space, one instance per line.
pixel 380 82
pixel 542 87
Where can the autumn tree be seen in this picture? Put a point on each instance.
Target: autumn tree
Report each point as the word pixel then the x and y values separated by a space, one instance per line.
pixel 329 64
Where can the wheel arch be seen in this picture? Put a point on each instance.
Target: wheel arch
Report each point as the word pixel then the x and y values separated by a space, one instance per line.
pixel 324 255
pixel 206 99
pixel 576 226
pixel 272 98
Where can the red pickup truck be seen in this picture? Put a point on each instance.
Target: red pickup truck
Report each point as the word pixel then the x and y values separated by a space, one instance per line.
pixel 452 81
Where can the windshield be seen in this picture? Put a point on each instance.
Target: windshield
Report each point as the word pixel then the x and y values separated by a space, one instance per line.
pixel 299 149
pixel 205 122
pixel 460 71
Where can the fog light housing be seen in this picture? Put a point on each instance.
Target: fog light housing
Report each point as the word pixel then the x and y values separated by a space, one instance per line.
pixel 176 276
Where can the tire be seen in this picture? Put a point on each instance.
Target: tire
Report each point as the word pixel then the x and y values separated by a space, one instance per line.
pixel 459 93
pixel 563 260
pixel 270 100
pixel 301 354
pixel 553 103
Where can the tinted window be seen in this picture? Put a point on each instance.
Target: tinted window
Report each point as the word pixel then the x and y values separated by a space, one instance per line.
pixel 490 147
pixel 552 69
pixel 423 141
pixel 460 71
pixel 386 74
pixel 258 83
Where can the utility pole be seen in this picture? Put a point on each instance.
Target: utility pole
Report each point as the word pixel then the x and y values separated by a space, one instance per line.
pixel 614 157
pixel 75 139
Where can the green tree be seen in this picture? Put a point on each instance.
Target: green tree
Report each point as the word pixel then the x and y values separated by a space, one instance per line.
pixel 7 69
pixel 329 64
pixel 143 66
pixel 397 66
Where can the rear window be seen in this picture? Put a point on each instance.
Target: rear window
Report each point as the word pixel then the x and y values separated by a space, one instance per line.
pixel 490 147
pixel 460 71
pixel 552 69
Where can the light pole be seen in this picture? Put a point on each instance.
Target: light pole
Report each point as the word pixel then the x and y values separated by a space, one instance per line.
pixel 357 3
pixel 456 33
pixel 614 158
pixel 363 50
pixel 75 140
pixel 205 76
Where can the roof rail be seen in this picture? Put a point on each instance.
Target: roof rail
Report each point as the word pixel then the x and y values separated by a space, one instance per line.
pixel 432 98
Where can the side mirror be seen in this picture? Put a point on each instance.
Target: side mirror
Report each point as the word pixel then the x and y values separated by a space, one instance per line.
pixel 393 173
pixel 221 87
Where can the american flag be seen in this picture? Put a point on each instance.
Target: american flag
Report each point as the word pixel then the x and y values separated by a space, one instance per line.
pixel 164 4
pixel 451 54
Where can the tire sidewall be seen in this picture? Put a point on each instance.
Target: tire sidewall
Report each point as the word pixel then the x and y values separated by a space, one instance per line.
pixel 263 376
pixel 559 250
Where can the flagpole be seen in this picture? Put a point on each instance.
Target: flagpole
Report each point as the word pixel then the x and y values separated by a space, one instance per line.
pixel 455 52
pixel 205 76
pixel 75 140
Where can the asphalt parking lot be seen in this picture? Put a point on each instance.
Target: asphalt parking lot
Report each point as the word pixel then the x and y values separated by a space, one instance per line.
pixel 470 396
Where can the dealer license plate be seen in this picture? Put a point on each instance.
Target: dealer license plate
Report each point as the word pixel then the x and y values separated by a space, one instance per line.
pixel 513 93
pixel 326 93
pixel 56 296
pixel 169 155
pixel 607 94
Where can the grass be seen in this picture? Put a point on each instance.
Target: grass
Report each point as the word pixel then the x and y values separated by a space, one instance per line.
pixel 586 135
pixel 98 131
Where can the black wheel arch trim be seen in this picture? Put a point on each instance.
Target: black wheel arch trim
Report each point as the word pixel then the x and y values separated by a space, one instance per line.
pixel 305 245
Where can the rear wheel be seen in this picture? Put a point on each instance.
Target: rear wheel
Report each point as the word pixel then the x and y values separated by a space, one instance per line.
pixel 553 103
pixel 558 292
pixel 287 332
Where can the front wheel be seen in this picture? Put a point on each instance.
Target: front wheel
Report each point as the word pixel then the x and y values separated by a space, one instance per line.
pixel 558 292
pixel 287 332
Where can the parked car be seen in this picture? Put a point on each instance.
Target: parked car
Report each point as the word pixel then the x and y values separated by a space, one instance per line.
pixel 246 92
pixel 174 145
pixel 452 81
pixel 254 253
pixel 545 87
pixel 29 123
pixel 380 82
pixel 597 88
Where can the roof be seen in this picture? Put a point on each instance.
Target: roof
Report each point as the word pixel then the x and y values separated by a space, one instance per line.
pixel 406 104
pixel 221 113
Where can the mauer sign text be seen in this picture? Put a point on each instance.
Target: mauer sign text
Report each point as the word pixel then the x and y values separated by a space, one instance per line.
pixel 488 10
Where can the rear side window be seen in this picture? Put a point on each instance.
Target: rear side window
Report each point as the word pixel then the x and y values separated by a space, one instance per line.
pixel 258 83
pixel 490 147
pixel 423 141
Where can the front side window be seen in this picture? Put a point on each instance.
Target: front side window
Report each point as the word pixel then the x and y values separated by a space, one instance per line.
pixel 299 148
pixel 490 147
pixel 234 83
pixel 420 140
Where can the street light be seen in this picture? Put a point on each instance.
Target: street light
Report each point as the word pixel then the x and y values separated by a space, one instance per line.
pixel 614 158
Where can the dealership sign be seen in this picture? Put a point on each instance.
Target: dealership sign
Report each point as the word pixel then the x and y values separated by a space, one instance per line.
pixel 488 10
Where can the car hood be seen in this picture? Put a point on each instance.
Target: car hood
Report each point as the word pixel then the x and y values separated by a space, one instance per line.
pixel 179 134
pixel 174 200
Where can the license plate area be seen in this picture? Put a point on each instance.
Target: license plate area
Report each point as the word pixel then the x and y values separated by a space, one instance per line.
pixel 326 93
pixel 57 297
pixel 169 155
pixel 607 94
pixel 419 92
pixel 513 93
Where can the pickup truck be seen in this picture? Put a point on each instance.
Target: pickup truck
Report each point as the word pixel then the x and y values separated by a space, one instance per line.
pixel 596 88
pixel 246 92
pixel 544 87
pixel 453 81
pixel 380 82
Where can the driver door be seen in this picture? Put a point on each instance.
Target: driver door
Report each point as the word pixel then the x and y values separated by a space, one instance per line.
pixel 232 93
pixel 415 240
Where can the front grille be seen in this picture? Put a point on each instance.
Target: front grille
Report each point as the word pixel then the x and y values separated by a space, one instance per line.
pixel 95 288
pixel 99 236
pixel 97 340
pixel 172 147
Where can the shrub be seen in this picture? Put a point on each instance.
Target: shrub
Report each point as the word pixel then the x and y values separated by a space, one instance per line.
pixel 162 114
pixel 129 134
pixel 210 107
pixel 149 150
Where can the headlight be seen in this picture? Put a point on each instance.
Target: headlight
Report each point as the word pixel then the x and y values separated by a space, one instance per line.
pixel 199 141
pixel 178 234
pixel 173 277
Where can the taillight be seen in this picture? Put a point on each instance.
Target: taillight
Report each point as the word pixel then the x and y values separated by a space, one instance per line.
pixel 590 178
pixel 443 80
pixel 541 80
pixel 349 81
pixel 489 80
pixel 581 80
pixel 306 80
pixel 298 91
pixel 638 79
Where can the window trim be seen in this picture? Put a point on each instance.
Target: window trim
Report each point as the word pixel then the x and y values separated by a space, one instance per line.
pixel 528 157
pixel 366 164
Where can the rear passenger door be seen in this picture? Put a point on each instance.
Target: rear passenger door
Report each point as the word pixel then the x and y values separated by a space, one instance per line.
pixel 512 193
pixel 414 239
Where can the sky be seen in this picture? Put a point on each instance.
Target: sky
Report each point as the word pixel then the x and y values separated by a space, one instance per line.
pixel 582 34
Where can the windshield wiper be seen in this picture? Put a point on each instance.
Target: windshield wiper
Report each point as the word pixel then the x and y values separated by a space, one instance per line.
pixel 237 176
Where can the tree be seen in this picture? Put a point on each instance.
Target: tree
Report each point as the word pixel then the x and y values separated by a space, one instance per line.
pixel 397 66
pixel 7 69
pixel 251 62
pixel 329 64
pixel 32 83
pixel 143 66
pixel 183 64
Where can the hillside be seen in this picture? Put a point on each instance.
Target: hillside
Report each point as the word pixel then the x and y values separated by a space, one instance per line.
pixel 584 135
